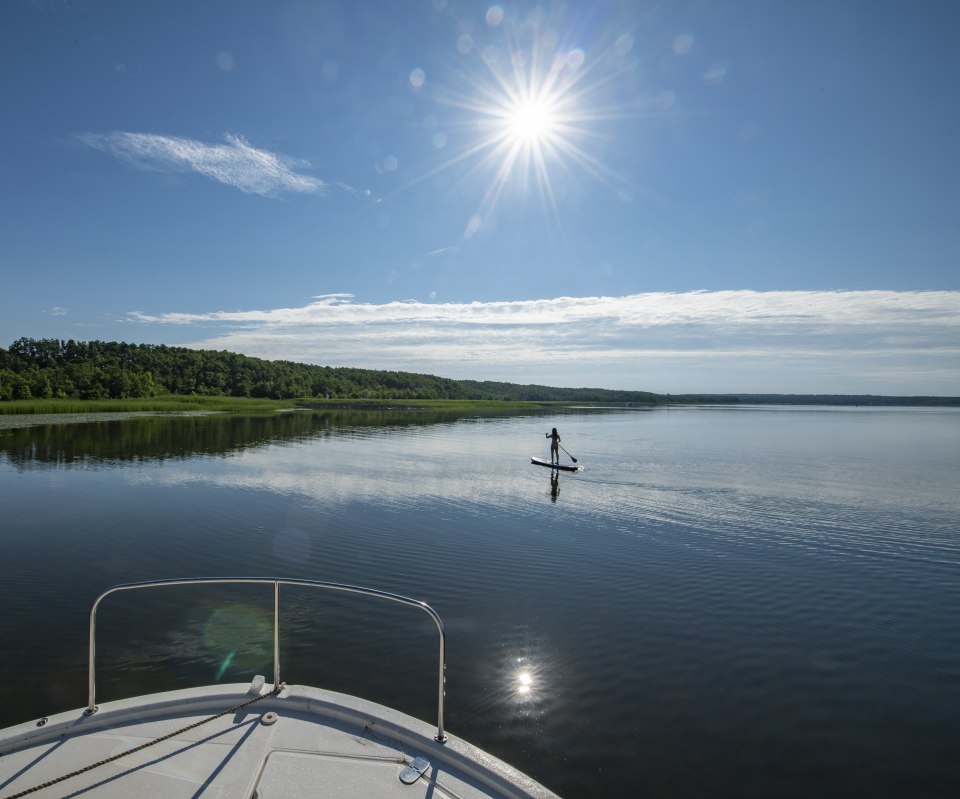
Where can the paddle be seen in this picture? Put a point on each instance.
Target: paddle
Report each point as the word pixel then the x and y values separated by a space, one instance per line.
pixel 571 456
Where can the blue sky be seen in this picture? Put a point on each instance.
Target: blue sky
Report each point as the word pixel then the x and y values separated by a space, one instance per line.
pixel 736 195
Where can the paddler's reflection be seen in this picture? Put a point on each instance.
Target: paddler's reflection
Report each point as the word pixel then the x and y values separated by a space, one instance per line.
pixel 554 485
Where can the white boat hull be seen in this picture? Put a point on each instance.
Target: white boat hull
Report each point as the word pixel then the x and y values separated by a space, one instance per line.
pixel 303 741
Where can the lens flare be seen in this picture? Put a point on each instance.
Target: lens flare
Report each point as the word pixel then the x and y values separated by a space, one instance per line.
pixel 225 665
pixel 238 638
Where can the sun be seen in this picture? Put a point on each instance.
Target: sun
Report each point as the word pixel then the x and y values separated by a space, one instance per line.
pixel 531 123
pixel 535 110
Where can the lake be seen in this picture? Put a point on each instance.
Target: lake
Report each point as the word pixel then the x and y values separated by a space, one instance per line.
pixel 726 602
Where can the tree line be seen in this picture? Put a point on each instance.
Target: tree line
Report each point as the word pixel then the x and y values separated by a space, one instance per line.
pixel 874 400
pixel 53 368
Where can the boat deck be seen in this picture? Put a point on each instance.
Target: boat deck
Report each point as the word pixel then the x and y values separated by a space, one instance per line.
pixel 303 741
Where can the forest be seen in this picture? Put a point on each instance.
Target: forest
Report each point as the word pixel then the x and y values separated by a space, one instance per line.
pixel 57 369
pixel 873 400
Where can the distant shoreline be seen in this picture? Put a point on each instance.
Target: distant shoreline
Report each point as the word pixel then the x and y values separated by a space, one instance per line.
pixel 829 399
pixel 51 410
pixel 55 376
pixel 196 405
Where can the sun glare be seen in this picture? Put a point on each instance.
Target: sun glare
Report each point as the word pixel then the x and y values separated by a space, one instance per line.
pixel 531 122
pixel 524 683
pixel 533 107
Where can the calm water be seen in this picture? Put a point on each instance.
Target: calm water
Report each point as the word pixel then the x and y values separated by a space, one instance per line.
pixel 736 602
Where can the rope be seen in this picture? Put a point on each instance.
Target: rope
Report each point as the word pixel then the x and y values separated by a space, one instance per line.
pixel 276 690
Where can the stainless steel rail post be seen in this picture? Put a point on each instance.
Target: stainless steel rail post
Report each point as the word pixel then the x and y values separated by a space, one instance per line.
pixel 276 634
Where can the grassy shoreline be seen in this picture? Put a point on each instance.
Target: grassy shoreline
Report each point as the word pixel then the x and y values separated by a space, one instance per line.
pixel 175 403
pixel 179 404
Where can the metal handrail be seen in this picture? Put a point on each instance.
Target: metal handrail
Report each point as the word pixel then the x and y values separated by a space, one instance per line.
pixel 276 582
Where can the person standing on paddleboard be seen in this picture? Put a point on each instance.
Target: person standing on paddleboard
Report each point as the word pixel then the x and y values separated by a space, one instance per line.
pixel 554 446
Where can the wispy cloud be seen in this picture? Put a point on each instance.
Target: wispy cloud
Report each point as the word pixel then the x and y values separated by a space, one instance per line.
pixel 234 162
pixel 617 339
pixel 453 248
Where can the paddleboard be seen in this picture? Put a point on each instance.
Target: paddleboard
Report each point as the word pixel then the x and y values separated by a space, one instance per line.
pixel 566 467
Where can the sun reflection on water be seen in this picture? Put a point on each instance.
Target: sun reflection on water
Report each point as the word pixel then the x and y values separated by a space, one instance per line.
pixel 527 684
pixel 524 683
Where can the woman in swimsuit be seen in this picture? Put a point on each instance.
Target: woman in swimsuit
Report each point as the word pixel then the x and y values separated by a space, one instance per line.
pixel 554 446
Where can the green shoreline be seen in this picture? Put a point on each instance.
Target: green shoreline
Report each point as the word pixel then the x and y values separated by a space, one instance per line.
pixel 116 377
pixel 180 404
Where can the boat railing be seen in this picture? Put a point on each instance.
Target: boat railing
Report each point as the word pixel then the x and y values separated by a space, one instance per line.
pixel 276 583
